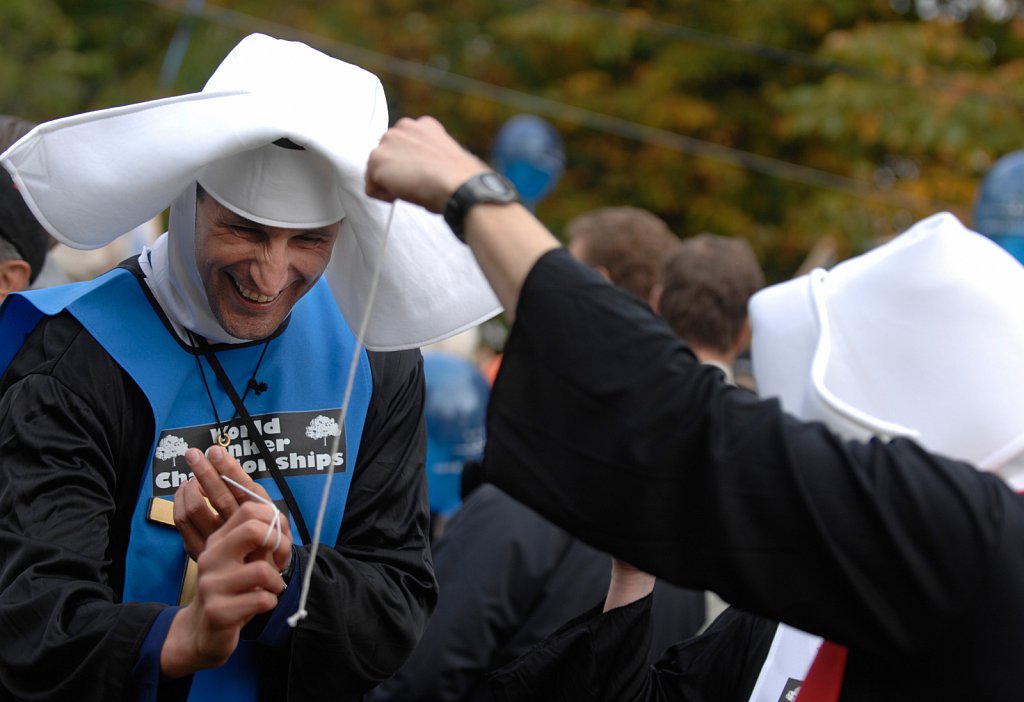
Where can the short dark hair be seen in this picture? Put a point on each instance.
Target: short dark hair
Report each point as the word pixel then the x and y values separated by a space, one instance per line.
pixel 23 236
pixel 8 251
pixel 13 128
pixel 706 285
pixel 629 242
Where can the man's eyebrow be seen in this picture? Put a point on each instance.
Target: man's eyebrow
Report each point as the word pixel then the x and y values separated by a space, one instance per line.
pixel 319 231
pixel 229 217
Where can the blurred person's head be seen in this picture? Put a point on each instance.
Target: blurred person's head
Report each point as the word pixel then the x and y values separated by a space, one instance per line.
pixel 999 206
pixel 455 410
pixel 625 244
pixel 23 240
pixel 703 294
pixel 13 128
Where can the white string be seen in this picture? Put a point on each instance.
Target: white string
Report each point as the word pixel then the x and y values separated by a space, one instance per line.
pixel 275 523
pixel 307 575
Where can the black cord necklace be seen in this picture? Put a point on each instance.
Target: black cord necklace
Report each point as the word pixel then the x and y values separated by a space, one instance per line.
pixel 239 402
pixel 222 438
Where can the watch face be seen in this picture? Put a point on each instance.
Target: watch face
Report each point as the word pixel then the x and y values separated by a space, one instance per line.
pixel 483 187
pixel 494 182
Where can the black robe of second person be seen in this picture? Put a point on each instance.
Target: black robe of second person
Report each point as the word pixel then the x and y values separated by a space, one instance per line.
pixel 606 424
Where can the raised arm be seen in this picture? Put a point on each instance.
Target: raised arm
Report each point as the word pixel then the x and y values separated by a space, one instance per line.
pixel 604 422
pixel 418 161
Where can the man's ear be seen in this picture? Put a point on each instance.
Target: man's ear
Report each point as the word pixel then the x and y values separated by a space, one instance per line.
pixel 604 272
pixel 14 275
pixel 742 339
pixel 654 299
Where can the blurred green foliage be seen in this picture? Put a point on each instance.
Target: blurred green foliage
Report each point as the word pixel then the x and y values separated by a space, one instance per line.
pixel 909 112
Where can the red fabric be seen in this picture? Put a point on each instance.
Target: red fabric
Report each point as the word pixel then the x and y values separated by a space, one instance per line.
pixel 825 678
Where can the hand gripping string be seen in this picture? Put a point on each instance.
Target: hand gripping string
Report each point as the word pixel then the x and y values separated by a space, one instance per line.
pixel 307 574
pixel 275 523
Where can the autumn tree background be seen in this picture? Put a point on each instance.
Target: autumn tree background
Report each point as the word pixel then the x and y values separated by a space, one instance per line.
pixel 787 122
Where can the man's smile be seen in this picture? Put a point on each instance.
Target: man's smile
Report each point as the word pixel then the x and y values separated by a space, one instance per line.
pixel 253 295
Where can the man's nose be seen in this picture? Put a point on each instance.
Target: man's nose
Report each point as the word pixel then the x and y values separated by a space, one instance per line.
pixel 270 269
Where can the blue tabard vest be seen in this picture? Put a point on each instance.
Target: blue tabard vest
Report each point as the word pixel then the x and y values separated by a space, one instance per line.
pixel 305 371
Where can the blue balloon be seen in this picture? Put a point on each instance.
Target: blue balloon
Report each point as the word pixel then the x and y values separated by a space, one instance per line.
pixel 999 208
pixel 455 409
pixel 528 151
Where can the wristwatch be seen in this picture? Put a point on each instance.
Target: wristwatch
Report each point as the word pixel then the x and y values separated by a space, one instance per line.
pixel 487 187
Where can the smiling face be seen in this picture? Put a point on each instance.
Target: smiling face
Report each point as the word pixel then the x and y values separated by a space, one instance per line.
pixel 253 273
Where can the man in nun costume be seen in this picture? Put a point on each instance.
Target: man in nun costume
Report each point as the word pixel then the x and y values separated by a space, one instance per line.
pixel 868 523
pixel 246 332
pixel 871 348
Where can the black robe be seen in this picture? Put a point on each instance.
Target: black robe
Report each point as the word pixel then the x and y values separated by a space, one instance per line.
pixel 606 424
pixel 75 432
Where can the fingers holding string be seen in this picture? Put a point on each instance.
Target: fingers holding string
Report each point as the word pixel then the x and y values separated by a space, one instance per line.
pixel 227 484
pixel 224 497
pixel 279 551
pixel 193 517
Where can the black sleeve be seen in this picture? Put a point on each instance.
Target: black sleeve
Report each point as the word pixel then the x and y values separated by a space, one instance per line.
pixel 595 657
pixel 70 422
pixel 722 664
pixel 371 595
pixel 604 422
pixel 676 614
pixel 599 657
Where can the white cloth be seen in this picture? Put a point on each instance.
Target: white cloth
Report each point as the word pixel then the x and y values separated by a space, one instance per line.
pixel 91 177
pixel 173 278
pixel 921 337
pixel 789 659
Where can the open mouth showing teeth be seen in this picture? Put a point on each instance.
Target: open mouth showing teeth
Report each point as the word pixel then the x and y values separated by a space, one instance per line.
pixel 252 295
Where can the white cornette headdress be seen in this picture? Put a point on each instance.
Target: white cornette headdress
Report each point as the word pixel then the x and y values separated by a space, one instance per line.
pixel 91 177
pixel 921 337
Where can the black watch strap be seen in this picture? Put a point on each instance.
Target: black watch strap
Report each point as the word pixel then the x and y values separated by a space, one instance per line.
pixel 489 187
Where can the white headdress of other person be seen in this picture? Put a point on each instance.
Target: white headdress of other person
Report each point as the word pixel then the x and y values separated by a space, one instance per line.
pixel 922 337
pixel 280 134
